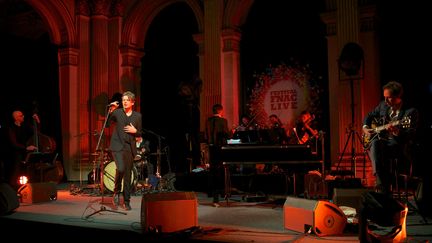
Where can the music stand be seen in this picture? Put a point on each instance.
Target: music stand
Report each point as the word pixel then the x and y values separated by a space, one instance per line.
pixel 101 166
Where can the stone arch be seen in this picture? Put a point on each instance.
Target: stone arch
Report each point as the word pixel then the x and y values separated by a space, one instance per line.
pixel 236 13
pixel 137 23
pixel 59 21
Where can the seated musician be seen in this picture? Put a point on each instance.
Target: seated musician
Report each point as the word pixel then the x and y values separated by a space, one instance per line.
pixel 140 160
pixel 304 131
pixel 21 134
pixel 277 131
pixel 247 131
pixel 393 139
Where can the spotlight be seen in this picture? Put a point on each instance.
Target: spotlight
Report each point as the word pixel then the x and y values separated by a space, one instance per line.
pixel 22 180
pixel 351 59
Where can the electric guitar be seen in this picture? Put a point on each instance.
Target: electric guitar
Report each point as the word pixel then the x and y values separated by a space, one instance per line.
pixel 368 138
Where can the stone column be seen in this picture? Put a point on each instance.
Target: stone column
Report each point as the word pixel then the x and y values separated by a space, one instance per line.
pixel 114 39
pixel 346 22
pixel 131 72
pixel 231 74
pixel 69 102
pixel 99 64
pixel 212 79
pixel 199 39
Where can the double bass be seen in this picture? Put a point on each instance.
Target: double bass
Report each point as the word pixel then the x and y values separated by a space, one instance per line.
pixel 43 143
pixel 47 166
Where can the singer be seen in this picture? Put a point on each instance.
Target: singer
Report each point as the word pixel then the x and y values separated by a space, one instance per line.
pixel 128 127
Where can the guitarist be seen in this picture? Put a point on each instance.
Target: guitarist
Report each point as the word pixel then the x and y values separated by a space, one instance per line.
pixel 392 141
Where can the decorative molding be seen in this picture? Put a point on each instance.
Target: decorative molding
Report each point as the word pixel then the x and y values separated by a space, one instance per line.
pixel 231 40
pixel 131 56
pixel 368 20
pixel 83 8
pixel 68 56
pixel 199 39
pixel 100 7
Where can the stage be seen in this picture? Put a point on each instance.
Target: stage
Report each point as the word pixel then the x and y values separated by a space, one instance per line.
pixel 75 215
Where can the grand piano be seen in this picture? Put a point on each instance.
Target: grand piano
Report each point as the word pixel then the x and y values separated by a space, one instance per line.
pixel 294 159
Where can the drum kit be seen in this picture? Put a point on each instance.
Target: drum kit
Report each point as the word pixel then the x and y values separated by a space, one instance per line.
pixel 145 176
pixel 139 178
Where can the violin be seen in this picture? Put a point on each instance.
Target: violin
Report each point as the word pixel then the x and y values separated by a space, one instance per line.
pixel 309 119
pixel 306 136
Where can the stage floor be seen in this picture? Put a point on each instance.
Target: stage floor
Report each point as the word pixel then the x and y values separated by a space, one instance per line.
pixel 74 216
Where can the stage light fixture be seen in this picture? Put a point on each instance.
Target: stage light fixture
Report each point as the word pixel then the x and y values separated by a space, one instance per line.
pixel 351 59
pixel 22 180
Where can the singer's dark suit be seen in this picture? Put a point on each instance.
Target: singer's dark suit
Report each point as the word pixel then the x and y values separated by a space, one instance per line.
pixel 123 148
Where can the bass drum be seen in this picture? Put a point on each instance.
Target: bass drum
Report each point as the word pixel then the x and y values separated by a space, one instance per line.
pixel 109 176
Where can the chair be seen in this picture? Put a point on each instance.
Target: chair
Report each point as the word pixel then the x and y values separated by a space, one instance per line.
pixel 398 177
pixel 402 173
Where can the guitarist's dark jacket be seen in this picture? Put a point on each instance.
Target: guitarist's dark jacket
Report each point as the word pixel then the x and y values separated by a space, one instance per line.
pixel 380 115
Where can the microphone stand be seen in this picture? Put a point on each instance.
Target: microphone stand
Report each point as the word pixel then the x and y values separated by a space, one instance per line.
pixel 102 172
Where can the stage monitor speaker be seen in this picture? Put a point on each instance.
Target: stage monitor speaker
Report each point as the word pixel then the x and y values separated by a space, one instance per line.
pixel 382 210
pixel 350 197
pixel 8 199
pixel 169 211
pixel 38 192
pixel 321 217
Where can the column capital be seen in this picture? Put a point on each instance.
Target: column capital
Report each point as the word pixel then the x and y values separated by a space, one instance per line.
pixel 68 56
pixel 82 7
pixel 199 39
pixel 231 40
pixel 131 56
pixel 100 7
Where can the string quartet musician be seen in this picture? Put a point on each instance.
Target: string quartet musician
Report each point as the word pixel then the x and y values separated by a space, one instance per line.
pixel 304 130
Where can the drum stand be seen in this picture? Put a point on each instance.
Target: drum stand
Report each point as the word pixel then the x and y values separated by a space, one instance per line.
pixel 79 136
pixel 101 163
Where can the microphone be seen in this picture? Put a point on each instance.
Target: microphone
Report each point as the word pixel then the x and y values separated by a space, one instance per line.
pixel 112 103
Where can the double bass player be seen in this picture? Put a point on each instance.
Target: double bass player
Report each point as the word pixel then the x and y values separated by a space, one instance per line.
pixel 19 133
pixel 25 138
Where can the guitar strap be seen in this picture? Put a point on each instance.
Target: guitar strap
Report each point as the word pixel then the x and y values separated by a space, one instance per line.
pixel 393 115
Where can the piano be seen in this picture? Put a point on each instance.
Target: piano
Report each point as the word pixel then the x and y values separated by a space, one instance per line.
pixel 293 158
pixel 247 153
